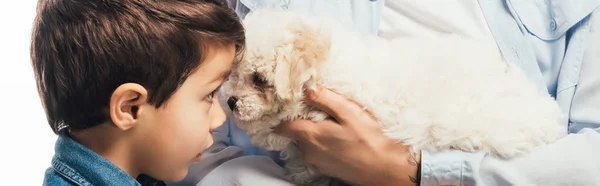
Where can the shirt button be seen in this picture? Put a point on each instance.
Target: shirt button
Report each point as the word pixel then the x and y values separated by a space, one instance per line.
pixel 553 25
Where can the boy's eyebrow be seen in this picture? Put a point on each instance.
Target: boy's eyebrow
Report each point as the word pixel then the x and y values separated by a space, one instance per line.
pixel 223 75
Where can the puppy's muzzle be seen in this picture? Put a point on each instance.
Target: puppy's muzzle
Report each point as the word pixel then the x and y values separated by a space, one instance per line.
pixel 231 103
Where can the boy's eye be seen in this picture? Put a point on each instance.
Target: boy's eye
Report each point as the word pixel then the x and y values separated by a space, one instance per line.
pixel 211 96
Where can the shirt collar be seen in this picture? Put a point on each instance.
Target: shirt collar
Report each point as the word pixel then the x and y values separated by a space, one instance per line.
pixel 82 165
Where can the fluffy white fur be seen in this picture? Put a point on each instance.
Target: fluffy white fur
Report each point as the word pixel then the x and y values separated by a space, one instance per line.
pixel 445 92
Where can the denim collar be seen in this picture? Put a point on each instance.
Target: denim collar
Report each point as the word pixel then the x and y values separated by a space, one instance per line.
pixel 84 167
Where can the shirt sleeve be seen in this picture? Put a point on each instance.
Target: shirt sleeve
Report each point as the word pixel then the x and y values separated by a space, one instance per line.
pixel 572 160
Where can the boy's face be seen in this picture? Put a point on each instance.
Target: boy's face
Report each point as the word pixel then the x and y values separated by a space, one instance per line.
pixel 171 137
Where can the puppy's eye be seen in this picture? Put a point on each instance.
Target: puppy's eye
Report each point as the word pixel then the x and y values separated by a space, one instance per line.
pixel 257 80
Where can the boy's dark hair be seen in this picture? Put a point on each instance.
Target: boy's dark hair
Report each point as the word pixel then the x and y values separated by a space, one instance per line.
pixel 82 50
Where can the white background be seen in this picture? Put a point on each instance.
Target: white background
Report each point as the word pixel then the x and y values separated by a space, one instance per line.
pixel 26 140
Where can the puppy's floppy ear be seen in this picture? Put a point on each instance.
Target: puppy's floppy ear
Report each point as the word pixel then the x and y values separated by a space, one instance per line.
pixel 299 60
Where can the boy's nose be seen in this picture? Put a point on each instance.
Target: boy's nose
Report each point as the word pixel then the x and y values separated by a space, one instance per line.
pixel 223 103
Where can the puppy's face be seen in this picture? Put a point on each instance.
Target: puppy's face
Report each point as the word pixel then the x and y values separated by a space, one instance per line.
pixel 283 54
pixel 250 91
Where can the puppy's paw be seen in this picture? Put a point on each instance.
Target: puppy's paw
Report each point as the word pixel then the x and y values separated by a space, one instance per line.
pixel 301 173
pixel 308 178
pixel 271 141
pixel 318 181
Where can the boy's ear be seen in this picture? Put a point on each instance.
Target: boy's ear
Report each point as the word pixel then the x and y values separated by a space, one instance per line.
pixel 126 105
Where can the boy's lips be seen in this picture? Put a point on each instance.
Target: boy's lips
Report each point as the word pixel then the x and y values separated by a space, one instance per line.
pixel 198 157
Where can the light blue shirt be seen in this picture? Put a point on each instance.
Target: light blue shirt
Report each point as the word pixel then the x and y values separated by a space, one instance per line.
pixel 551 40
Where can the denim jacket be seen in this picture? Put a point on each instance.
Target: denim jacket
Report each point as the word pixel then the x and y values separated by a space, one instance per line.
pixel 529 33
pixel 75 164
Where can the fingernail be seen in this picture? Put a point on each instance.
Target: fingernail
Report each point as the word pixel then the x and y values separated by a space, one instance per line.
pixel 312 88
pixel 312 91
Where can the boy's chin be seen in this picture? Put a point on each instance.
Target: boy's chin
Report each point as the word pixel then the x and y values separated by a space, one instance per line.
pixel 173 178
pixel 177 177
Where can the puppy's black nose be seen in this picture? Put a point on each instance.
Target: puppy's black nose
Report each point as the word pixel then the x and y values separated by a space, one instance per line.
pixel 231 102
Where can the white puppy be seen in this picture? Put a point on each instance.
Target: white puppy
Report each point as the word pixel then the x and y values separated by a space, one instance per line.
pixel 446 92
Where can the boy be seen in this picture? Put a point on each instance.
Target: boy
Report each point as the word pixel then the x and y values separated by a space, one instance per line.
pixel 130 86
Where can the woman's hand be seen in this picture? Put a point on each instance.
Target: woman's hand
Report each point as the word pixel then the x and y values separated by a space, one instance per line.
pixel 354 148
